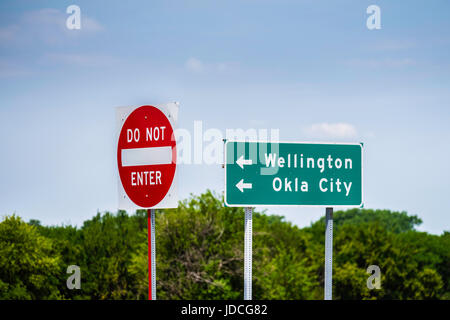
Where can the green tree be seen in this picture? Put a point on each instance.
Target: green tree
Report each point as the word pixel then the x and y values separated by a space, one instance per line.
pixel 404 273
pixel 108 244
pixel 199 252
pixel 28 264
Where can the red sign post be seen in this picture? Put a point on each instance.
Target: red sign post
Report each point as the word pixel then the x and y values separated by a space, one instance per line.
pixel 146 159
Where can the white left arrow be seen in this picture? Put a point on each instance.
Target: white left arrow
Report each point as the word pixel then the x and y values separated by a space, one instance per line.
pixel 242 162
pixel 241 185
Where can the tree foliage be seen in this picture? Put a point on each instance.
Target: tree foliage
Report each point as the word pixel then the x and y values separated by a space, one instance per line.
pixel 28 263
pixel 199 252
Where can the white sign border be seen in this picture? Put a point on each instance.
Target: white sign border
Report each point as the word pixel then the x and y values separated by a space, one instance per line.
pixel 170 200
pixel 361 205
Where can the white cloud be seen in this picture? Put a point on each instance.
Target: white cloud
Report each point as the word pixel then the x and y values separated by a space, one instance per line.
pixel 377 63
pixel 56 18
pixel 7 33
pixel 194 65
pixel 46 25
pixel 83 60
pixel 91 25
pixel 257 122
pixel 9 68
pixel 333 131
pixel 393 45
pixel 197 66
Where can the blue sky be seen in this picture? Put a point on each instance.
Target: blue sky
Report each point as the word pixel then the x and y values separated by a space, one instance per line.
pixel 311 69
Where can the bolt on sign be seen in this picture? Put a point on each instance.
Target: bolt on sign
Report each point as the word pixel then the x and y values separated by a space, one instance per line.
pixel 293 174
pixel 146 156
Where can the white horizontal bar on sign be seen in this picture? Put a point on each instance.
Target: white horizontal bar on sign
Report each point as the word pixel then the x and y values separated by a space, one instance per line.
pixel 146 156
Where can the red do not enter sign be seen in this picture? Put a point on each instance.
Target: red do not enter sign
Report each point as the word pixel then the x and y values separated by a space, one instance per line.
pixel 146 156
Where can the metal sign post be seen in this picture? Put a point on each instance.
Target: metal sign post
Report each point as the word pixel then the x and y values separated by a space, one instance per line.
pixel 328 253
pixel 147 165
pixel 151 255
pixel 311 174
pixel 248 254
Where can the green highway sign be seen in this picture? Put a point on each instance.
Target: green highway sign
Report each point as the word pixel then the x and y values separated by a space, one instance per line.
pixel 293 174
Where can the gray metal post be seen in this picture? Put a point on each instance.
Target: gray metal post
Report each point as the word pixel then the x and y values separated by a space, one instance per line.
pixel 328 253
pixel 248 254
pixel 153 254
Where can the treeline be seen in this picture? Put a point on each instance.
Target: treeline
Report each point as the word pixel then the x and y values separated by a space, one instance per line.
pixel 199 252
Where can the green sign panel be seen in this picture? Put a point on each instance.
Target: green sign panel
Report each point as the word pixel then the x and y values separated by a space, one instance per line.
pixel 293 174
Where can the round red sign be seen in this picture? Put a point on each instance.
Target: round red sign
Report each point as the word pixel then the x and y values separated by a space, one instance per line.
pixel 146 156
